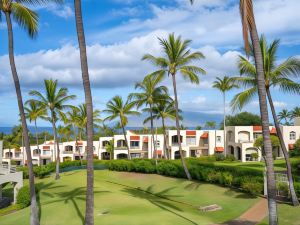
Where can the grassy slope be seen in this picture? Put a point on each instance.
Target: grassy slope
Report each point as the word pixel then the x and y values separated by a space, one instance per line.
pixel 63 201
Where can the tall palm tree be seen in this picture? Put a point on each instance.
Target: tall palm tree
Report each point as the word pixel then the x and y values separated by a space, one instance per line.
pixel 151 94
pixel 224 85
pixel 110 149
pixel 284 115
pixel 164 110
pixel 53 100
pixel 89 213
pixel 249 29
pixel 34 112
pixel 274 76
pixel 296 112
pixel 177 59
pixel 116 108
pixel 27 19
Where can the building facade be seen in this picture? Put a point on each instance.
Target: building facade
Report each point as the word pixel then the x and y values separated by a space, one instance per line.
pixel 195 143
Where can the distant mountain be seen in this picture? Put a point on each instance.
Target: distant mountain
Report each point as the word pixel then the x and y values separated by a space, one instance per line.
pixel 7 130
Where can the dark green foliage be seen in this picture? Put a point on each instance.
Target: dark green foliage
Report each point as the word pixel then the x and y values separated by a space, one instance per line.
pixel 243 119
pixel 252 187
pixel 23 197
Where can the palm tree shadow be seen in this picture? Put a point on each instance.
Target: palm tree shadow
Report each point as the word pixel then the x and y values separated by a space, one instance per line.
pixel 72 196
pixel 192 186
pixel 159 199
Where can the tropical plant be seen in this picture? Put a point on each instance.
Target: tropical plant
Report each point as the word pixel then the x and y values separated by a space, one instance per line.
pixel 285 115
pixel 151 94
pixel 164 110
pixel 116 108
pixel 249 29
pixel 53 100
pixel 224 85
pixel 243 119
pixel 33 112
pixel 110 149
pixel 210 124
pixel 295 112
pixel 274 76
pixel 27 19
pixel 177 59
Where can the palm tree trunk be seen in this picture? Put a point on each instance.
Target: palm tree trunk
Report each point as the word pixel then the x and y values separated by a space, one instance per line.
pixel 152 134
pixel 56 142
pixel 34 210
pixel 126 142
pixel 271 184
pixel 37 142
pixel 187 173
pixel 224 124
pixel 89 212
pixel 284 150
pixel 165 138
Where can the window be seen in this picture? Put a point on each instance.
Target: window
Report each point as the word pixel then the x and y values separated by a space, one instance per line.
pixel 175 139
pixel 292 135
pixel 219 139
pixel 134 144
pixel 256 135
pixel 135 155
pixel 157 144
pixel 191 140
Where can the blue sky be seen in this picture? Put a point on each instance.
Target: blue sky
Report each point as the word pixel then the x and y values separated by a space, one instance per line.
pixel 119 32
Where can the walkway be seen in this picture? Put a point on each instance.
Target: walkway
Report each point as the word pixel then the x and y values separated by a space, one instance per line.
pixel 253 216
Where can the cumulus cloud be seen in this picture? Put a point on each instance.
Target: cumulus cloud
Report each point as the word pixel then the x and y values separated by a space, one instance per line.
pixel 117 65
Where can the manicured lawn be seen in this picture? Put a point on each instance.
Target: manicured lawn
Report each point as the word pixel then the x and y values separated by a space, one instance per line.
pixel 288 215
pixel 120 198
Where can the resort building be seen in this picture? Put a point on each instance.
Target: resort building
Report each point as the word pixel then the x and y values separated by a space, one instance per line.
pixel 195 143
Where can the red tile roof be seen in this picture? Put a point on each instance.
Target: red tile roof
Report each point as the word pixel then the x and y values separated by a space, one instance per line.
pixel 134 138
pixel 204 135
pixel 191 133
pixel 145 139
pixel 291 146
pixel 273 131
pixel 219 149
pixel 159 152
pixel 257 128
pixel 46 147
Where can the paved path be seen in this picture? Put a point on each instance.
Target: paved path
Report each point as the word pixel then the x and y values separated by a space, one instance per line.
pixel 253 216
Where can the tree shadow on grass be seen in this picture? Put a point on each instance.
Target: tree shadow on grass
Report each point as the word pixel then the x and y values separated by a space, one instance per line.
pixel 72 196
pixel 192 186
pixel 159 199
pixel 237 194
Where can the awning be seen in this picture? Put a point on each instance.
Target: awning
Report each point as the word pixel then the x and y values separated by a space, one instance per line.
pixel 273 131
pixel 291 146
pixel 219 149
pixel 159 152
pixel 46 147
pixel 79 143
pixel 134 138
pixel 145 139
pixel 190 133
pixel 257 128
pixel 204 135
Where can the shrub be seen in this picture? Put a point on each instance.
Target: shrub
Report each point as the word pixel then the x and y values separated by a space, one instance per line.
pixel 219 157
pixel 283 189
pixel 254 156
pixel 226 179
pixel 230 158
pixel 252 187
pixel 23 197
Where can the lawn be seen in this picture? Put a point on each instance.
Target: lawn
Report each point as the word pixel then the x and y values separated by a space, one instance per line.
pixel 133 199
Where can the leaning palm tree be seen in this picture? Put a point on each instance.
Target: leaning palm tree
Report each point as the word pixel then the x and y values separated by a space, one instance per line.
pixel 285 115
pixel 177 59
pixel 275 76
pixel 89 213
pixel 295 112
pixel 34 112
pixel 116 108
pixel 224 85
pixel 27 19
pixel 151 94
pixel 54 100
pixel 164 110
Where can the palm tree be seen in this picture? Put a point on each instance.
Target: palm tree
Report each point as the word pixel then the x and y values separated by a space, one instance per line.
pixel 110 149
pixel 249 29
pixel 89 213
pixel 28 20
pixel 177 59
pixel 53 100
pixel 151 94
pixel 210 124
pixel 284 115
pixel 224 85
pixel 117 108
pixel 296 112
pixel 275 76
pixel 164 110
pixel 33 112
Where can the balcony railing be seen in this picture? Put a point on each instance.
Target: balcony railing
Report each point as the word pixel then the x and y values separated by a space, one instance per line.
pixel 134 147
pixel 67 152
pixel 121 148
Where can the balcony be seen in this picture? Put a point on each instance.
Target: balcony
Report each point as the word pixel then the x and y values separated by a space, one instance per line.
pixel 121 148
pixel 68 152
pixel 18 155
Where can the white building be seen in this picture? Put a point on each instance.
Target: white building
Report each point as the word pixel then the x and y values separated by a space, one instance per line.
pixel 195 143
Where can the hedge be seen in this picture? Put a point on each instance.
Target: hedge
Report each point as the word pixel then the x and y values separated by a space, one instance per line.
pixel 23 197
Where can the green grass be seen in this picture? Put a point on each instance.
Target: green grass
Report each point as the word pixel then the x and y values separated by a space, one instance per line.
pixel 133 199
pixel 288 215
